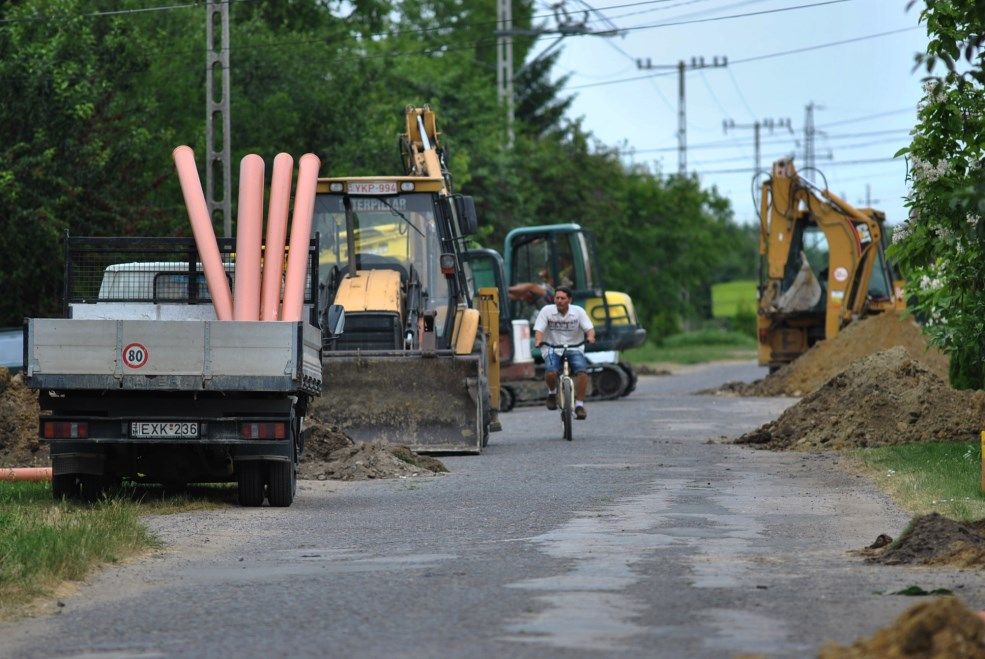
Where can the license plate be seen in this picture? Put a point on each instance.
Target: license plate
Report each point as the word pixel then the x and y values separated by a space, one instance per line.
pixel 372 187
pixel 164 429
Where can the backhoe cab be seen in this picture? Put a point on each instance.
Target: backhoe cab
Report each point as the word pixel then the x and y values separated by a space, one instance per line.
pixel 822 265
pixel 411 366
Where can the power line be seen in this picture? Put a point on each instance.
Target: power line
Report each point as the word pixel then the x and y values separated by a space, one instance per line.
pixel 720 144
pixel 864 161
pixel 742 97
pixel 853 120
pixel 756 58
pixel 730 16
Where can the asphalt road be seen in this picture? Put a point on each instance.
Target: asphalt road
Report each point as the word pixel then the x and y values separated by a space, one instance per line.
pixel 639 538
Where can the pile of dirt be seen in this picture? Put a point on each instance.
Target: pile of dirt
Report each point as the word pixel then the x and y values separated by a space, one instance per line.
pixel 936 540
pixel 330 454
pixel 886 398
pixel 19 445
pixel 937 629
pixel 827 358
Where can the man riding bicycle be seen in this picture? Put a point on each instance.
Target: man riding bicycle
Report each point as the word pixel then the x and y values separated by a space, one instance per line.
pixel 563 323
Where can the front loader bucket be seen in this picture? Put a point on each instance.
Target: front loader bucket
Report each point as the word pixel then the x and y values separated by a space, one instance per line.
pixel 433 404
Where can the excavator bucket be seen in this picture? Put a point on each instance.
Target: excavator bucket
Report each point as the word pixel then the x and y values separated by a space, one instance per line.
pixel 433 403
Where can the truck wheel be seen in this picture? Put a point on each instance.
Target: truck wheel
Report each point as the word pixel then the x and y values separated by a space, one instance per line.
pixel 249 483
pixel 65 486
pixel 283 481
pixel 507 398
pixel 91 488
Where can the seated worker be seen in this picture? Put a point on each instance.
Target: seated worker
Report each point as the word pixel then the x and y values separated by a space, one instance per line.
pixel 563 323
pixel 536 295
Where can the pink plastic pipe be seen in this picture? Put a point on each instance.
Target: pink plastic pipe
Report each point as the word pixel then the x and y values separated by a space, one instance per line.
pixel 249 233
pixel 198 215
pixel 25 474
pixel 297 255
pixel 273 259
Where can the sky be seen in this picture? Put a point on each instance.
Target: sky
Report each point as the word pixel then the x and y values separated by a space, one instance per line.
pixel 866 91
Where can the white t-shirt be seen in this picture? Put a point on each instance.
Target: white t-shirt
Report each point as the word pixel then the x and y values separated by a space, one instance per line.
pixel 560 330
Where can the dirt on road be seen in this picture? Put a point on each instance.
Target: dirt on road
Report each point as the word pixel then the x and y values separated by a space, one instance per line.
pixel 331 455
pixel 19 445
pixel 885 398
pixel 936 540
pixel 827 358
pixel 940 629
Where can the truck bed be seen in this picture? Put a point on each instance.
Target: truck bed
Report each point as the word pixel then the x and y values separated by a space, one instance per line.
pixel 172 355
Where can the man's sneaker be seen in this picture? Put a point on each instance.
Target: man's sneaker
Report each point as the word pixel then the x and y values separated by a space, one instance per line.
pixel 580 413
pixel 552 401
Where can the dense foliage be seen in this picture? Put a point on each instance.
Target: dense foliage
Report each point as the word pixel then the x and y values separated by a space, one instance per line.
pixel 940 247
pixel 93 105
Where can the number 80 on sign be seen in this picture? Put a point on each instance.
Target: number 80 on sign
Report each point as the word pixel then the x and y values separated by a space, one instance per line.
pixel 135 355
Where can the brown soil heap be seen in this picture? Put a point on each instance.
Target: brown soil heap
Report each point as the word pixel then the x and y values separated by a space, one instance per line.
pixel 827 358
pixel 331 455
pixel 886 398
pixel 19 445
pixel 936 540
pixel 939 629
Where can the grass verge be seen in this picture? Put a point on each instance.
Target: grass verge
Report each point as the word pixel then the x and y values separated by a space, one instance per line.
pixel 44 544
pixel 695 348
pixel 728 298
pixel 922 478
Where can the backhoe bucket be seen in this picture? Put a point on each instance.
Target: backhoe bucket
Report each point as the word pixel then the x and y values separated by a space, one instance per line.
pixel 432 403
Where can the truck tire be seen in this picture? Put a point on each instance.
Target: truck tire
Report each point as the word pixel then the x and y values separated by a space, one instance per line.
pixel 91 488
pixel 65 486
pixel 507 398
pixel 282 482
pixel 249 483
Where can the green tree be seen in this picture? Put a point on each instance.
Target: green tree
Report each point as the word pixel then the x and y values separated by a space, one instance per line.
pixel 940 246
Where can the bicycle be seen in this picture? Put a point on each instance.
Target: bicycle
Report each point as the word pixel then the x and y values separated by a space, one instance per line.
pixel 566 386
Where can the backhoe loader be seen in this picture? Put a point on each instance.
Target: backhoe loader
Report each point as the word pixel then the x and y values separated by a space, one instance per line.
pixel 412 365
pixel 548 256
pixel 822 266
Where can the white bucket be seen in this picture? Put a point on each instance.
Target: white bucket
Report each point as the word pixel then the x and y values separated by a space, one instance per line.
pixel 521 342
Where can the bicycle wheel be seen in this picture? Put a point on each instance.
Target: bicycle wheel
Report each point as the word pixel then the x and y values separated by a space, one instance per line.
pixel 567 405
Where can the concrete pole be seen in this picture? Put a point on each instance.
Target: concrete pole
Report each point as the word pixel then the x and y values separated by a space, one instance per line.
pixel 217 151
pixel 681 121
pixel 504 63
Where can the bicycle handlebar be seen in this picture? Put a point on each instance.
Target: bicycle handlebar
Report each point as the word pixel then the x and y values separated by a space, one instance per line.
pixel 565 346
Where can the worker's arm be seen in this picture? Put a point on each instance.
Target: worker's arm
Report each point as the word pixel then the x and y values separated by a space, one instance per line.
pixel 590 335
pixel 538 338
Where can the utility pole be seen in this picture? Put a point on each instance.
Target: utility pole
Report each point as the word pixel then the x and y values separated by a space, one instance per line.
pixel 682 68
pixel 217 152
pixel 756 126
pixel 504 62
pixel 809 133
pixel 868 201
pixel 567 26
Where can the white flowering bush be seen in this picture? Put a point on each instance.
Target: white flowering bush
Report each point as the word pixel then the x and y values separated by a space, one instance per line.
pixel 940 248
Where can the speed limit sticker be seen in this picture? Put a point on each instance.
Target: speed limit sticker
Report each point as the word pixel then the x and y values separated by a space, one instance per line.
pixel 135 355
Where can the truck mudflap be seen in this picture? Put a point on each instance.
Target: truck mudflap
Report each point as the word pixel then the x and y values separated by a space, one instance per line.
pixel 433 403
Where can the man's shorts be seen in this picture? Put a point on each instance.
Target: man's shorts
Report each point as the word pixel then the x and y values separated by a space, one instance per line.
pixel 577 359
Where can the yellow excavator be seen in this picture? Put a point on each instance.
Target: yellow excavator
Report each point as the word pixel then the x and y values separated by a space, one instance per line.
pixel 822 265
pixel 412 362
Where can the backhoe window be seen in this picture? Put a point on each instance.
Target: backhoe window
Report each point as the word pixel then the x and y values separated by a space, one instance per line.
pixel 879 284
pixel 395 232
pixel 815 246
